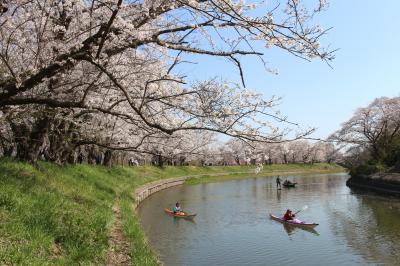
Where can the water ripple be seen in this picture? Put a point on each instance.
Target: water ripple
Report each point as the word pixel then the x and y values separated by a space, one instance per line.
pixel 232 226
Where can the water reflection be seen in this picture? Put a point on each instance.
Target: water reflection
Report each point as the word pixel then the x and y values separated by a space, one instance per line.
pixel 278 195
pixel 290 229
pixel 178 220
pixel 370 225
pixel 232 226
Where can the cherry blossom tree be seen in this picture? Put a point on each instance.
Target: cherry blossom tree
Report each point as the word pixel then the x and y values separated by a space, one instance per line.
pixel 375 126
pixel 373 133
pixel 104 73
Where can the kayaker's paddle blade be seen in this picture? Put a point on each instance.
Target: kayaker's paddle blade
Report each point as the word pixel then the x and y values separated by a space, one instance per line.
pixel 305 207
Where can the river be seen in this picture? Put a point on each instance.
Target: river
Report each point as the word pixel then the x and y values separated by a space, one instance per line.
pixel 232 226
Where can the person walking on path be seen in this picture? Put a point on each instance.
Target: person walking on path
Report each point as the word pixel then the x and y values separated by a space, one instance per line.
pixel 278 183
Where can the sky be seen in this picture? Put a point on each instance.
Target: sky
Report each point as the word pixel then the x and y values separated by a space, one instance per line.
pixel 366 66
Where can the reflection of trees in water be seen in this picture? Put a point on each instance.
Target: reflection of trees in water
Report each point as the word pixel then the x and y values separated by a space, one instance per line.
pixel 370 226
pixel 321 183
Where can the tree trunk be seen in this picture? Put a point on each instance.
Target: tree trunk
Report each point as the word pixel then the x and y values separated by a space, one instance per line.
pixel 7 149
pixel 30 140
pixel 108 158
pixel 91 158
pixel 62 140
pixel 237 159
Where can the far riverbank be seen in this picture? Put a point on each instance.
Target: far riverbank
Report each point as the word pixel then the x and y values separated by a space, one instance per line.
pixel 386 183
pixel 270 170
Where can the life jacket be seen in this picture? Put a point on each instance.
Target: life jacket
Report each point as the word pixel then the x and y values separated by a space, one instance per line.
pixel 288 216
pixel 177 209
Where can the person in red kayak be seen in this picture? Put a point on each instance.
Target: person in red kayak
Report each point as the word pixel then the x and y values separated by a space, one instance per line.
pixel 288 215
pixel 177 208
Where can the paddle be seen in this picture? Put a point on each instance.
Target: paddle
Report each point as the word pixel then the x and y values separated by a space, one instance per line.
pixel 302 209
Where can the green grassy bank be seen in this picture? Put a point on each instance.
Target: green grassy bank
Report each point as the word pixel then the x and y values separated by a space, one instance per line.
pixel 268 170
pixel 54 215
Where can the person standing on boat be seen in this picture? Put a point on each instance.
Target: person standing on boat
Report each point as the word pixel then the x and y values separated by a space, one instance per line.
pixel 278 183
pixel 288 215
pixel 177 208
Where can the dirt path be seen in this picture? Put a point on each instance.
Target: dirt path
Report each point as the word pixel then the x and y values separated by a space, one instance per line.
pixel 118 252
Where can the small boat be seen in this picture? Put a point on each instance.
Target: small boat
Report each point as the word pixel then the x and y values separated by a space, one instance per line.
pixel 295 222
pixel 289 184
pixel 179 214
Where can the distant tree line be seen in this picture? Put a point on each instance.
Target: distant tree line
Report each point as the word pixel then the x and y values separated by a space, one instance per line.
pixel 236 152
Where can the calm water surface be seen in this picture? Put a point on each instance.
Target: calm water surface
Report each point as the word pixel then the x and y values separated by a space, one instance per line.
pixel 232 226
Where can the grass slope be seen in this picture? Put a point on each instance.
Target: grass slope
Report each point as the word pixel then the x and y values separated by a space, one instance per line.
pixel 63 215
pixel 268 170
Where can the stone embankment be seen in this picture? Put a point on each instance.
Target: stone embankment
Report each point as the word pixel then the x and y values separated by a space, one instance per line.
pixel 146 190
pixel 388 183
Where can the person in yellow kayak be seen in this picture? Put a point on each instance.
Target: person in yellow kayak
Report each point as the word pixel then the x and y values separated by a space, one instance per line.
pixel 177 208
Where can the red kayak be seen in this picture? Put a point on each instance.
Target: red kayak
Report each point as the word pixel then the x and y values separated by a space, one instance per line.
pixel 295 222
pixel 179 214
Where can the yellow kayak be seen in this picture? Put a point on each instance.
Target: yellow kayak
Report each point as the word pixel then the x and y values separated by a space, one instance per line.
pixel 179 214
